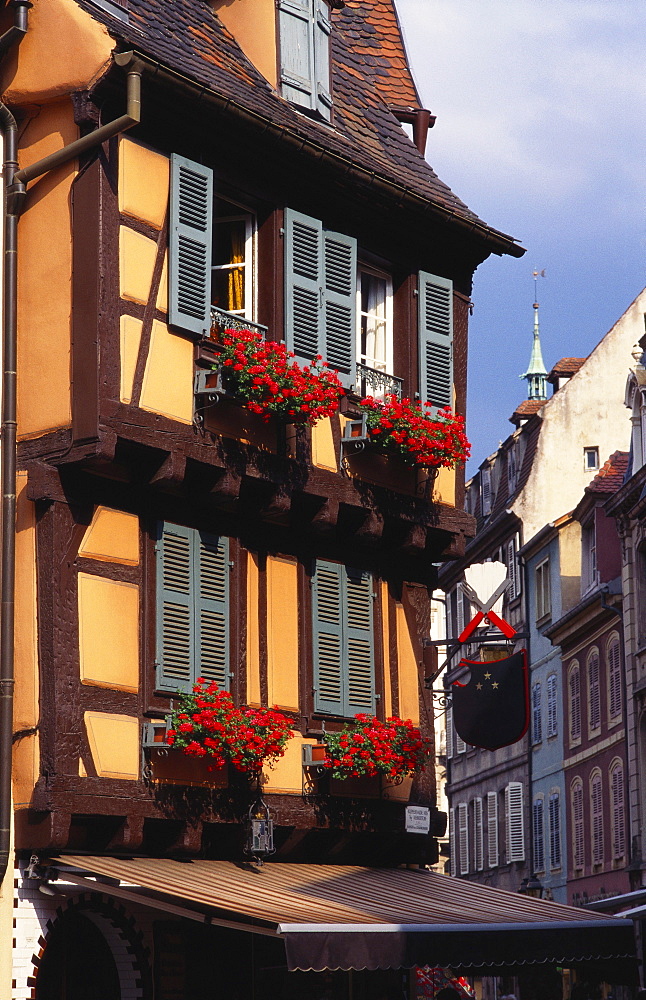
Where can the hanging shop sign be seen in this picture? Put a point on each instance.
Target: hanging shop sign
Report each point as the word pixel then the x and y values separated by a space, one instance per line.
pixel 492 709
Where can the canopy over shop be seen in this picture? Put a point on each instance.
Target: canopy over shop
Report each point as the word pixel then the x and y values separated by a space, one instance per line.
pixel 337 917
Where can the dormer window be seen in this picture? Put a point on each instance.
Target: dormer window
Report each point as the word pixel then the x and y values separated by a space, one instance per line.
pixel 304 39
pixel 591 459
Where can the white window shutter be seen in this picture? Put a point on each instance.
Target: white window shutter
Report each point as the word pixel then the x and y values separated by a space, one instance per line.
pixel 515 821
pixel 485 491
pixel 297 57
pixel 322 31
pixel 539 836
pixel 478 843
pixel 577 825
pixel 463 834
pixel 453 868
pixel 555 829
pixel 618 818
pixel 435 319
pixel 449 732
pixel 189 245
pixel 552 706
pixel 492 829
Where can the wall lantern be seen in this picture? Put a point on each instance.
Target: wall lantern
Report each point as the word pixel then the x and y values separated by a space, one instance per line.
pixel 531 887
pixel 260 831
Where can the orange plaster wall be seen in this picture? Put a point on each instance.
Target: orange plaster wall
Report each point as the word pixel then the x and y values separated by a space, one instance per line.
pixel 407 674
pixel 44 266
pixel 282 632
pixel 64 50
pixel 253 25
pixel 26 699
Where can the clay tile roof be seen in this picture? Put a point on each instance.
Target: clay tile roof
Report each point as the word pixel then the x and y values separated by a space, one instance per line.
pixel 566 367
pixel 377 41
pixel 369 71
pixel 526 409
pixel 611 476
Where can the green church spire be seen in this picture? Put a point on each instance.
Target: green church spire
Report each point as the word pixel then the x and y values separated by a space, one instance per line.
pixel 536 373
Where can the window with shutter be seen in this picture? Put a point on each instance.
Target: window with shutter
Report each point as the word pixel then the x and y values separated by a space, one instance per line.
pixel 577 824
pixel 614 678
pixel 492 829
pixel 342 621
pixel 543 590
pixel 485 491
pixel 539 835
pixel 192 608
pixel 320 294
pixel 555 829
pixel 515 821
pixel 513 569
pixel 537 722
pixel 478 842
pixel 460 745
pixel 304 28
pixel 435 311
pixel 449 732
pixel 574 699
pixel 552 706
pixel 594 692
pixel 463 835
pixel 618 815
pixel 453 868
pixel 189 245
pixel 596 816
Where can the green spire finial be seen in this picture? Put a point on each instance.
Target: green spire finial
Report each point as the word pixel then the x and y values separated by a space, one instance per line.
pixel 536 373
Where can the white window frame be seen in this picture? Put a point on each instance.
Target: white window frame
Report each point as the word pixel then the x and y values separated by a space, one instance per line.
pixel 589 556
pixel 386 364
pixel 478 839
pixel 543 595
pixel 453 861
pixel 593 452
pixel 250 262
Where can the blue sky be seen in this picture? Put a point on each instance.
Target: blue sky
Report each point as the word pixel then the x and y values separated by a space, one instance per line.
pixel 540 130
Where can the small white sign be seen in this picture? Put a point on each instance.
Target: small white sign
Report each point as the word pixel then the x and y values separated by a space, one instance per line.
pixel 418 819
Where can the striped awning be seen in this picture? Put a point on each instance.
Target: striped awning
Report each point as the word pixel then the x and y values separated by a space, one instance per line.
pixel 338 917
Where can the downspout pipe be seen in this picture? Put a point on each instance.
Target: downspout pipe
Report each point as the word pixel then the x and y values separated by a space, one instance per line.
pixel 12 36
pixel 16 191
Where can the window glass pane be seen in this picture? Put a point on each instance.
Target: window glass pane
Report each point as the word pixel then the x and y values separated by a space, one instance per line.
pixel 232 264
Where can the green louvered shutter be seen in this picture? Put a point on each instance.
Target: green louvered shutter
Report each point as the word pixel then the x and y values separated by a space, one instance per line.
pixel 435 339
pixel 322 31
pixel 297 58
pixel 175 632
pixel 191 221
pixel 303 285
pixel 340 307
pixel 359 642
pixel 327 624
pixel 212 574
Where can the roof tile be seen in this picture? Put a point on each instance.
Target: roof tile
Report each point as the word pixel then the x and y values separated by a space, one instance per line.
pixel 611 476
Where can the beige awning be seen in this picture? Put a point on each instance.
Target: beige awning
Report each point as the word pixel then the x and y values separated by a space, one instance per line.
pixel 338 917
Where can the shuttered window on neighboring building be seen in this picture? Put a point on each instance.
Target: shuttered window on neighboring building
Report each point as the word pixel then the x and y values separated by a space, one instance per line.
pixel 574 702
pixel 594 691
pixel 492 829
pixel 478 841
pixel 342 623
pixel 449 732
pixel 552 706
pixel 578 858
pixel 463 837
pixel 189 245
pixel 555 829
pixel 435 312
pixel 304 29
pixel 193 586
pixel 515 821
pixel 537 721
pixel 614 678
pixel 453 867
pixel 320 294
pixel 596 817
pixel 618 816
pixel 513 570
pixel 539 835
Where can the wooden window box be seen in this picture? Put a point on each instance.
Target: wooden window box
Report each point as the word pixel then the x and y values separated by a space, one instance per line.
pixel 165 765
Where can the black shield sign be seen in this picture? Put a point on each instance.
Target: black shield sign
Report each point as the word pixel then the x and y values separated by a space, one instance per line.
pixel 492 710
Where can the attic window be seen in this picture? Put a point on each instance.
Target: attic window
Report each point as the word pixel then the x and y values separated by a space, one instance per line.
pixel 304 34
pixel 591 459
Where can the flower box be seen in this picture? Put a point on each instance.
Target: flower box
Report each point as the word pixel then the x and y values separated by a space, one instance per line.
pixel 172 767
pixel 366 786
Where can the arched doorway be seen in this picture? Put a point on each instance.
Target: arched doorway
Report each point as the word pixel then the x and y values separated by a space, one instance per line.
pixel 77 963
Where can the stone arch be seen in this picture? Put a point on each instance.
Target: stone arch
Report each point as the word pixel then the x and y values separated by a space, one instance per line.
pixel 117 929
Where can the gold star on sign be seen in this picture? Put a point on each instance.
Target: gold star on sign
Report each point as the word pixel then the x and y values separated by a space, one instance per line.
pixel 487 677
pixel 495 684
pixel 478 687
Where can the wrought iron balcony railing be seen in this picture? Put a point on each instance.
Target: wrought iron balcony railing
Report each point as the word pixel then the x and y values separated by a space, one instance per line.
pixel 373 382
pixel 222 320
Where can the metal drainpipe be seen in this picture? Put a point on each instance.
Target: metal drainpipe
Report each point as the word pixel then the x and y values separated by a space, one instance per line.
pixel 16 181
pixel 14 35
